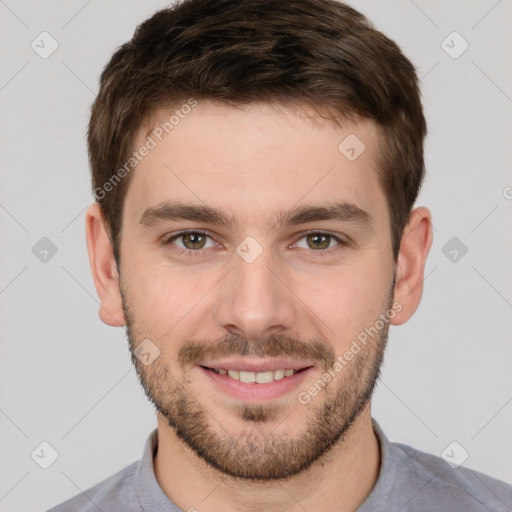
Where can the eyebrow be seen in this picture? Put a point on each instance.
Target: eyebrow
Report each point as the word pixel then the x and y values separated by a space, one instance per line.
pixel 177 210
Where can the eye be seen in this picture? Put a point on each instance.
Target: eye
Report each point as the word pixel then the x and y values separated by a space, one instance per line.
pixel 191 241
pixel 319 241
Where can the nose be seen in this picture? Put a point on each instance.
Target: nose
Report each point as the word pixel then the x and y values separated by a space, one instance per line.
pixel 254 300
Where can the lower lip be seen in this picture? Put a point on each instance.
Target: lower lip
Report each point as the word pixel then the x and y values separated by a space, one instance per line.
pixel 252 391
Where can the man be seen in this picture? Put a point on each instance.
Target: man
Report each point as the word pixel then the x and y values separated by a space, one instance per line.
pixel 255 165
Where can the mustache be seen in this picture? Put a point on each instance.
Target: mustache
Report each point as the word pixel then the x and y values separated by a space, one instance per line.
pixel 193 352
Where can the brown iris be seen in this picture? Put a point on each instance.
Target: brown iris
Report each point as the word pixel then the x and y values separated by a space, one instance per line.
pixel 319 241
pixel 196 240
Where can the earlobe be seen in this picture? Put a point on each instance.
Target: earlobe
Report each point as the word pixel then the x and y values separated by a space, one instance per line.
pixel 414 249
pixel 103 267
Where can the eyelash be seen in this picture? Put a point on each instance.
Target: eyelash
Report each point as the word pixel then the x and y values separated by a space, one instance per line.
pixel 199 252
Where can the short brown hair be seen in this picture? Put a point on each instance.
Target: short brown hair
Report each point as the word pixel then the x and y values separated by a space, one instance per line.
pixel 320 53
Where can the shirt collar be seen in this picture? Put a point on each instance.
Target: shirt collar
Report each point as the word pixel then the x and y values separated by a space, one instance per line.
pixel 385 483
pixel 152 497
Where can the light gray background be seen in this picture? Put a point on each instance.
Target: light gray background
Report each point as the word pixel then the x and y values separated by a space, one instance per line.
pixel 67 379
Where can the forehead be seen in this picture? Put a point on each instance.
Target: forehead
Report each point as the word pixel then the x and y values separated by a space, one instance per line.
pixel 253 161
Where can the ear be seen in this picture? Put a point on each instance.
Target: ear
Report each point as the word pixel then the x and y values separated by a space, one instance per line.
pixel 410 266
pixel 103 267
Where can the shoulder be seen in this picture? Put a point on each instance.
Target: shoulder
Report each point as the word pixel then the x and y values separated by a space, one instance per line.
pixel 434 481
pixel 118 492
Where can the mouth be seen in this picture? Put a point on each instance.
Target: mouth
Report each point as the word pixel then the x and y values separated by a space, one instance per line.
pixel 259 377
pixel 255 386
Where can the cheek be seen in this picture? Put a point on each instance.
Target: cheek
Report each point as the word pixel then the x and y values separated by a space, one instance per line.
pixel 166 296
pixel 347 301
pixel 342 301
pixel 159 294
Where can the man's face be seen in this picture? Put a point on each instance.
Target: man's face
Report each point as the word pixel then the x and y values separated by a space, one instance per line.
pixel 261 293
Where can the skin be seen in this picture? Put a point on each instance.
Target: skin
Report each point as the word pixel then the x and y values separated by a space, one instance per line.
pixel 252 162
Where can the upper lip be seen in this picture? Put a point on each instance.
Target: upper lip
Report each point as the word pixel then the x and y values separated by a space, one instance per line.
pixel 257 365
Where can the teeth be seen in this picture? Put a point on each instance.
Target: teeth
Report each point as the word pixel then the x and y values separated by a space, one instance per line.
pixel 234 374
pixel 278 374
pixel 264 377
pixel 247 377
pixel 259 377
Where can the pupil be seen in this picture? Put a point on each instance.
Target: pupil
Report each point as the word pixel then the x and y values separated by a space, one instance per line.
pixel 317 238
pixel 194 238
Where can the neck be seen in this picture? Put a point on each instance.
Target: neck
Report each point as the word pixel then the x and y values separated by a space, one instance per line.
pixel 340 480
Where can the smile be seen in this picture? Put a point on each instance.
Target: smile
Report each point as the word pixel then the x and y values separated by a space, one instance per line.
pixel 255 386
pixel 258 377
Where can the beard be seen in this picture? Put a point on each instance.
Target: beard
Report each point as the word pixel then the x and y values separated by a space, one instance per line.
pixel 256 452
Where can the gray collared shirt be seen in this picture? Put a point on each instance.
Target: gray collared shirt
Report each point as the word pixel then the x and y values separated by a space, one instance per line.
pixel 409 481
